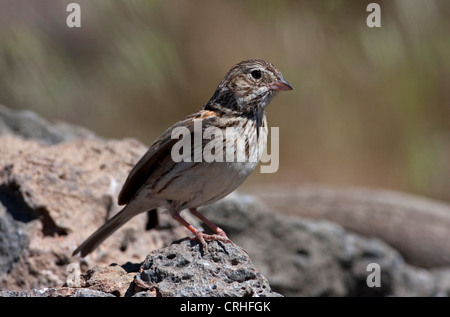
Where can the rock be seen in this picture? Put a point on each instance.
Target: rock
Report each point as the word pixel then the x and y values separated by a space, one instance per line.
pixel 316 258
pixel 185 270
pixel 52 197
pixel 29 125
pixel 91 293
pixel 442 277
pixel 59 184
pixel 417 227
pixel 112 279
pixel 55 189
pixel 181 269
pixel 12 240
pixel 56 292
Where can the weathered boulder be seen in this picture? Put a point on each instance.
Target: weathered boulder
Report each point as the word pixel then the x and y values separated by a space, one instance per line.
pixel 185 269
pixel 302 257
pixel 417 227
pixel 30 125
pixel 59 183
pixel 56 292
pixel 56 196
pixel 111 279
pixel 180 270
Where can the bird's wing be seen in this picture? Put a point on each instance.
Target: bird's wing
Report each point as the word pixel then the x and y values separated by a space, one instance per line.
pixel 156 154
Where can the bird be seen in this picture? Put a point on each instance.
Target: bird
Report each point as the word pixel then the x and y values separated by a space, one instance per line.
pixel 159 180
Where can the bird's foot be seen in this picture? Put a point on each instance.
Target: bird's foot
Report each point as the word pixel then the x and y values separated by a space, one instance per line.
pixel 203 237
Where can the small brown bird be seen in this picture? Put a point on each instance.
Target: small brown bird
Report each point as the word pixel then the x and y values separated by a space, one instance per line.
pixel 158 180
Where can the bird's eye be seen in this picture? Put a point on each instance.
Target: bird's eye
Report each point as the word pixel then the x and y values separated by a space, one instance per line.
pixel 256 74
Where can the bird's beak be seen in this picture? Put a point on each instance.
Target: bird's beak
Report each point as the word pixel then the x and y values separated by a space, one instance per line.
pixel 280 84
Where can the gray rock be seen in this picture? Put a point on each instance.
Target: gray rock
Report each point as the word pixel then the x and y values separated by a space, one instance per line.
pixel 316 258
pixel 56 292
pixel 181 269
pixel 184 270
pixel 144 294
pixel 86 292
pixel 54 194
pixel 15 294
pixel 29 125
pixel 55 197
pixel 13 240
pixel 417 227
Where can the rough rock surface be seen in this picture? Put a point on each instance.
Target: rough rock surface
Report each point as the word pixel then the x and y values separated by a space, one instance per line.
pixel 56 292
pixel 111 279
pixel 185 269
pixel 55 190
pixel 417 227
pixel 180 270
pixel 31 126
pixel 58 184
pixel 12 240
pixel 57 196
pixel 318 258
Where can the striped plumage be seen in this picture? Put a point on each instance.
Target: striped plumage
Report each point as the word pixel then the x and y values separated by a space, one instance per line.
pixel 157 180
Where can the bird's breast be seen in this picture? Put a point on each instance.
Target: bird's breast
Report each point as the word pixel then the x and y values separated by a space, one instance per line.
pixel 228 156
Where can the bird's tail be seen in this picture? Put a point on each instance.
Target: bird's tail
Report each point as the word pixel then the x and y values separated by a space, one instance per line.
pixel 106 230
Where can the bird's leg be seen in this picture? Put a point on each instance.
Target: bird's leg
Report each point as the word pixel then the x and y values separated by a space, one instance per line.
pixel 200 236
pixel 197 233
pixel 220 234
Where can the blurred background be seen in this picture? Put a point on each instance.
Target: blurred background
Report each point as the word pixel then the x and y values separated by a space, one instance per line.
pixel 370 106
